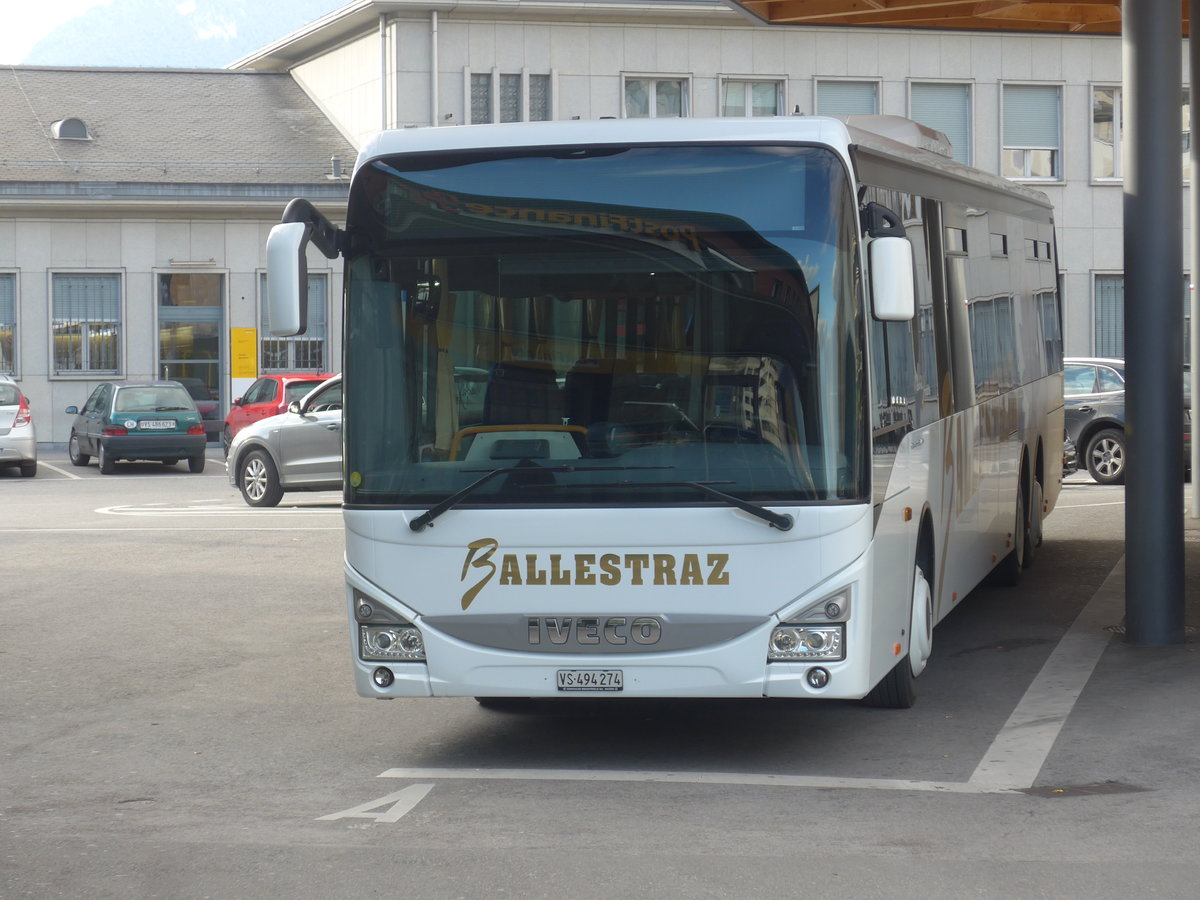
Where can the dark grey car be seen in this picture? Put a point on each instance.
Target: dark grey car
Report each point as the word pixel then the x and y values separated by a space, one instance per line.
pixel 1094 409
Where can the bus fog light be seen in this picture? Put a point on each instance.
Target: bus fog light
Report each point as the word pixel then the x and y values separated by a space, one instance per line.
pixel 383 677
pixel 817 677
pixel 395 642
pixel 803 642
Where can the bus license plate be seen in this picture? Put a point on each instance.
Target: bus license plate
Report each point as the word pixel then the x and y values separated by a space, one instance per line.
pixel 590 680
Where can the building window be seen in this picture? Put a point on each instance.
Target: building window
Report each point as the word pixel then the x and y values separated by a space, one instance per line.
pixel 8 322
pixel 1032 132
pixel 1108 130
pixel 655 98
pixel 945 108
pixel 847 98
pixel 305 352
pixel 1109 306
pixel 539 98
pixel 86 322
pixel 481 98
pixel 508 97
pixel 751 98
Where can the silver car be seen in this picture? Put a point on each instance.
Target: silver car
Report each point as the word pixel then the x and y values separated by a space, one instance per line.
pixel 299 450
pixel 18 440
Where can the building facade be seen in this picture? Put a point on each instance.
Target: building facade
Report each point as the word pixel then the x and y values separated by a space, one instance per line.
pixel 1042 109
pixel 134 208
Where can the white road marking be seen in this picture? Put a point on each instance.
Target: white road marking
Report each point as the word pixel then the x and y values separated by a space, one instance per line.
pixel 723 778
pixel 1010 765
pixel 232 510
pixel 1020 749
pixel 402 803
pixel 62 472
pixel 159 529
pixel 1088 505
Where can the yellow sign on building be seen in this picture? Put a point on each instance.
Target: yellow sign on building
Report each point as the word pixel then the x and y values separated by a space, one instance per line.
pixel 243 352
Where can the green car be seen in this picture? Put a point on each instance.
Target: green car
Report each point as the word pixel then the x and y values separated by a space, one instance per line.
pixel 151 421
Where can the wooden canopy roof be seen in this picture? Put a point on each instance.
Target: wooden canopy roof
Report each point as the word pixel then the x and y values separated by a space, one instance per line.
pixel 1053 16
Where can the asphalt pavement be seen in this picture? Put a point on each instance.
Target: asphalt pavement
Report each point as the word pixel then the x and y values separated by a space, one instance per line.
pixel 178 720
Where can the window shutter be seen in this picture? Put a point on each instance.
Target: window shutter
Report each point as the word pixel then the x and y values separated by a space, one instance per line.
pixel 947 108
pixel 8 306
pixel 1031 117
pixel 846 98
pixel 1110 316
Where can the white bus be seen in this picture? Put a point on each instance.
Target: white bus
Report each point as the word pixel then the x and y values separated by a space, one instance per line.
pixel 686 408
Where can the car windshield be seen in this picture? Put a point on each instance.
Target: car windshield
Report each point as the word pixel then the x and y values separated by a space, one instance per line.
pixel 9 395
pixel 619 324
pixel 296 390
pixel 153 398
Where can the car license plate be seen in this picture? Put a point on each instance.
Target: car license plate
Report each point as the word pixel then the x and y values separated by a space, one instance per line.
pixel 591 680
pixel 156 423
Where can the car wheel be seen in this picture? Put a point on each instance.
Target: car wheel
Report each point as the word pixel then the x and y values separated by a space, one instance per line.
pixel 78 458
pixel 1106 456
pixel 196 464
pixel 106 461
pixel 258 480
pixel 29 469
pixel 226 440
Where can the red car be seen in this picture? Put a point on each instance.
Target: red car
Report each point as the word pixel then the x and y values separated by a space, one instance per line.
pixel 269 396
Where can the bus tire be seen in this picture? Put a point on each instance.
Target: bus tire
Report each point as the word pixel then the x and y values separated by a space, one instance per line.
pixel 1008 573
pixel 898 689
pixel 504 704
pixel 1033 523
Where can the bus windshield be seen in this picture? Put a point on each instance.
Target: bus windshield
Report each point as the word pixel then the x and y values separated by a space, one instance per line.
pixel 610 325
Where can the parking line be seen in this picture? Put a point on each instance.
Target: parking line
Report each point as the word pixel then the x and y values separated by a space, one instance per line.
pixel 1010 765
pixel 1019 750
pixel 719 778
pixel 63 472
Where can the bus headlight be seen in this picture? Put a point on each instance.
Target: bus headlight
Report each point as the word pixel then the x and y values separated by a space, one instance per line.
pixel 396 642
pixel 806 642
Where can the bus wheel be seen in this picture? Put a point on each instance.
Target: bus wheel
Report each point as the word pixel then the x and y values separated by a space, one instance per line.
pixel 1033 523
pixel 898 689
pixel 504 704
pixel 1008 573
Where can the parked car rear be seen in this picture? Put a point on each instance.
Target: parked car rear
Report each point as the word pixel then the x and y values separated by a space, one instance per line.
pixel 18 440
pixel 268 396
pixel 131 421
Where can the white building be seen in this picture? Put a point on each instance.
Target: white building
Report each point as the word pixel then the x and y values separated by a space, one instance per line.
pixel 1038 108
pixel 134 204
pixel 134 207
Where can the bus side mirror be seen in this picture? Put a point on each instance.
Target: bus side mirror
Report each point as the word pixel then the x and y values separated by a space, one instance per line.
pixel 287 264
pixel 892 295
pixel 287 279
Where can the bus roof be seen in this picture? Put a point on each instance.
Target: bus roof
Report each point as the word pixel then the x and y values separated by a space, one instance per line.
pixel 891 137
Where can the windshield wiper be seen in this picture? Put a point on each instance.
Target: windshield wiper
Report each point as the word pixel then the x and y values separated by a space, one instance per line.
pixel 776 520
pixel 426 518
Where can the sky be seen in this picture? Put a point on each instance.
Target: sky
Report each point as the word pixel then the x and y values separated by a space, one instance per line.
pixel 172 33
pixel 27 23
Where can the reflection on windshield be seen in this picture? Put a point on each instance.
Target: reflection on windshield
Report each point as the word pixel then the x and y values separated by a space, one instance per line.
pixel 607 317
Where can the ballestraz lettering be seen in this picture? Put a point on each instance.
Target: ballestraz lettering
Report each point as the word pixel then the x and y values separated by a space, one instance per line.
pixel 587 569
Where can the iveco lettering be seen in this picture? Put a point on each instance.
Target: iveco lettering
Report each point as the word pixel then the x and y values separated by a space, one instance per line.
pixel 681 408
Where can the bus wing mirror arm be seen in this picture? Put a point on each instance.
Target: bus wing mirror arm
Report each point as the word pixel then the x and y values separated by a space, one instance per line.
pixel 287 264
